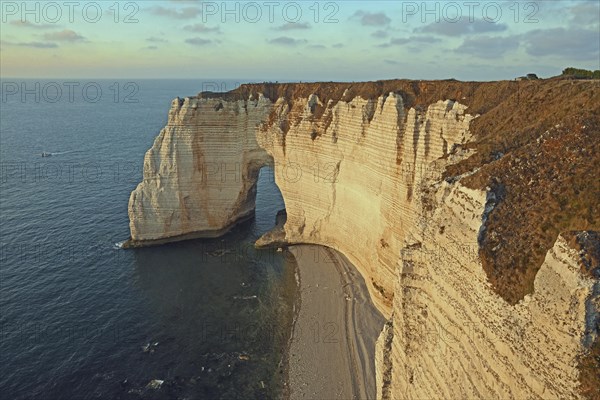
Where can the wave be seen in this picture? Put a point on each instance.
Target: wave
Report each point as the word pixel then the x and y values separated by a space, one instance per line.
pixel 58 153
pixel 245 297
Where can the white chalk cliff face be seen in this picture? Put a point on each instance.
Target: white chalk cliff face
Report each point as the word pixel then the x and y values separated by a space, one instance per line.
pixel 200 175
pixel 365 177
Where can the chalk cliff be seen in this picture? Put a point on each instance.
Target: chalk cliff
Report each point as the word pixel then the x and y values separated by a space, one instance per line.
pixel 200 175
pixel 402 177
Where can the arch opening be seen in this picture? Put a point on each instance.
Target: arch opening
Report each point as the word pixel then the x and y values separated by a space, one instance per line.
pixel 270 214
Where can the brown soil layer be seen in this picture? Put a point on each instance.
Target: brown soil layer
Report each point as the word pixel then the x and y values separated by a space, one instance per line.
pixel 539 151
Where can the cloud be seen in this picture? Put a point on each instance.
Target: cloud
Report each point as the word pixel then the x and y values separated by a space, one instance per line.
pixel 290 26
pixel 154 39
pixel 37 45
pixel 380 34
pixel 371 19
pixel 338 45
pixel 391 62
pixel 585 14
pixel 317 46
pixel 66 35
pixel 183 13
pixel 198 41
pixel 488 46
pixel 575 43
pixel 150 48
pixel 462 27
pixel 28 24
pixel 286 41
pixel 410 40
pixel 201 28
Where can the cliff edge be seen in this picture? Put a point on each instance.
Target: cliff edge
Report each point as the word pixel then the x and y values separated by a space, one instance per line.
pixel 471 210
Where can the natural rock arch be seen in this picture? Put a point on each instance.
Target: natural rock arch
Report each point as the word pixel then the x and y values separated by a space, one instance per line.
pixel 372 187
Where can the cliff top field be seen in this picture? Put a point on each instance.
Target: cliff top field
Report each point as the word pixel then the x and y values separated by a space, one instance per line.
pixel 537 145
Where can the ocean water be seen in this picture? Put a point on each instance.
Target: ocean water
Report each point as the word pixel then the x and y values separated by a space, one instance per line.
pixel 81 318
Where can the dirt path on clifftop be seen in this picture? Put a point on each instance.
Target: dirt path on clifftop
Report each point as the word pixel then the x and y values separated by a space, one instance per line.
pixel 332 349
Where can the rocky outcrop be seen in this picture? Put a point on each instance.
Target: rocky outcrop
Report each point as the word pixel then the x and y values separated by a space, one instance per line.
pixel 200 174
pixel 364 169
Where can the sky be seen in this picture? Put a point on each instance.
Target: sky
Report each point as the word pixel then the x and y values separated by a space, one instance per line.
pixel 297 41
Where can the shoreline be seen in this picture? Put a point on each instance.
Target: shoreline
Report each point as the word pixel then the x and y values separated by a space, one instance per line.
pixel 331 353
pixel 241 220
pixel 297 301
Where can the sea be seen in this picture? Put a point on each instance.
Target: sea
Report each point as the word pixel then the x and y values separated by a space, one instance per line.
pixel 80 317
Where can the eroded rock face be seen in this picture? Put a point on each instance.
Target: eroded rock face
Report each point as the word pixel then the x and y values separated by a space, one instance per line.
pixel 454 337
pixel 364 176
pixel 362 159
pixel 200 174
